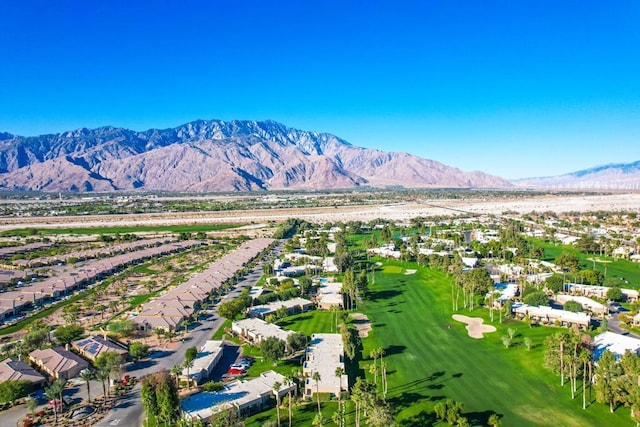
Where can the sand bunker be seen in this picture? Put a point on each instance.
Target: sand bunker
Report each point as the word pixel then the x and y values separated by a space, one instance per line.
pixel 408 271
pixel 361 323
pixel 475 328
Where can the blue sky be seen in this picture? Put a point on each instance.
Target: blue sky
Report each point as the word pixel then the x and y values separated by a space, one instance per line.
pixel 513 88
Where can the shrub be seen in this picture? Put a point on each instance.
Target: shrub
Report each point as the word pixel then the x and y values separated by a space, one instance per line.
pixel 212 386
pixel 536 298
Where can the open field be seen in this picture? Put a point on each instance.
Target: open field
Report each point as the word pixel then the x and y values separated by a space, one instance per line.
pixel 395 211
pixel 431 357
pixel 30 232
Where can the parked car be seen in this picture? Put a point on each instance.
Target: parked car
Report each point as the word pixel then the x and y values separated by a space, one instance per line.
pixel 243 366
pixel 36 395
pixel 235 371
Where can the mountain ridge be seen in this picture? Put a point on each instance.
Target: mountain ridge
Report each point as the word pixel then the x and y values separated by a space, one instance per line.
pixel 214 155
pixel 608 176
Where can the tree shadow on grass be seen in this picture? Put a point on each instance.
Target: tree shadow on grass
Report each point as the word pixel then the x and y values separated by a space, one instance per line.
pixel 394 349
pixel 436 375
pixel 480 418
pixel 405 400
pixel 383 295
pixel 415 384
pixel 421 419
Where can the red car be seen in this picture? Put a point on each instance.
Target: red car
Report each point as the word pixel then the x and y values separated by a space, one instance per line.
pixel 235 371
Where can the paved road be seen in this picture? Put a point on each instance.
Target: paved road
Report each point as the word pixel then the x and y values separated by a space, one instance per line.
pixel 613 324
pixel 129 411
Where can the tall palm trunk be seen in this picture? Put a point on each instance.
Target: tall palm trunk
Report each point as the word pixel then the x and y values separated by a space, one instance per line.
pixel 584 385
pixel 290 408
pixel 318 398
pixel 561 363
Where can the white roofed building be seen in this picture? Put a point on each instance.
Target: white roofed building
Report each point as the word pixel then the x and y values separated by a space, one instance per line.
pixel 324 354
pixel 256 330
pixel 615 343
pixel 587 303
pixel 329 295
pixel 247 397
pixel 548 315
pixel 208 356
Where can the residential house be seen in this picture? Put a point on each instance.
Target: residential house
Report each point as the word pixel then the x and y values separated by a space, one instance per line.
pixel 58 362
pixel 18 370
pixel 95 345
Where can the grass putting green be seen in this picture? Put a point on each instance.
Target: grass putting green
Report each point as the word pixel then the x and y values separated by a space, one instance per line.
pixel 430 357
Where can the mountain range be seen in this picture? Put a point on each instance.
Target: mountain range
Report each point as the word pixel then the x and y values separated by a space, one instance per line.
pixel 214 155
pixel 624 176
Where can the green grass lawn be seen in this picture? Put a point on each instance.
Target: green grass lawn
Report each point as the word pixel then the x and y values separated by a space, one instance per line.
pixel 311 322
pixel 430 357
pixel 616 268
pixel 302 415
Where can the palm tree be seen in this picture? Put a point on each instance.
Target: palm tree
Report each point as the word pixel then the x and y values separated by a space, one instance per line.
pixel 103 375
pixel 339 373
pixel 316 377
pixel 176 370
pixel 288 381
pixel 373 354
pixel 59 384
pixel 585 357
pixel 383 378
pixel 87 376
pixel 276 387
pixel 52 393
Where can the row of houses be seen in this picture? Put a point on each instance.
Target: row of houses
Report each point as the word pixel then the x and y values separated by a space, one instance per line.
pixel 631 295
pixel 39 293
pixel 548 315
pixel 169 310
pixel 105 251
pixel 9 251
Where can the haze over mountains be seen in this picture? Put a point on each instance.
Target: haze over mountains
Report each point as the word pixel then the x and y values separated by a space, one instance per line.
pixel 625 176
pixel 213 155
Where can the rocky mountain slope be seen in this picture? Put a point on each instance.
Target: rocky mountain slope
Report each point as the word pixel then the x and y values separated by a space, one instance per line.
pixel 213 155
pixel 623 176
